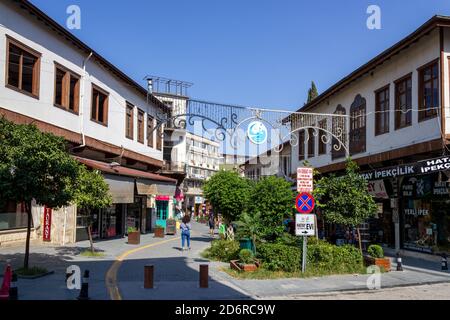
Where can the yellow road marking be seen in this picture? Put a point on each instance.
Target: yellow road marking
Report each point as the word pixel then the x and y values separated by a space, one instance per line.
pixel 111 275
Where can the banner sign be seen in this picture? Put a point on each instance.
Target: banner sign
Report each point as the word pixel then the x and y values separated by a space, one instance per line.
pixel 47 224
pixel 421 167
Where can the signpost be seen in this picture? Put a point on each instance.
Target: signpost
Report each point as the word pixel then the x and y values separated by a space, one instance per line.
pixel 305 223
pixel 305 226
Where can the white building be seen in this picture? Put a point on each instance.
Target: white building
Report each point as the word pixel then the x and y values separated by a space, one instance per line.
pixel 202 157
pixel 54 80
pixel 398 105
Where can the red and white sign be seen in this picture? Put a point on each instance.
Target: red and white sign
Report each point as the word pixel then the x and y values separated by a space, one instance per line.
pixel 377 189
pixel 305 180
pixel 47 224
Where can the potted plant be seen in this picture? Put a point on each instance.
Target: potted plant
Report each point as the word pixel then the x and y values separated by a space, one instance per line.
pixel 159 231
pixel 375 256
pixel 134 235
pixel 247 261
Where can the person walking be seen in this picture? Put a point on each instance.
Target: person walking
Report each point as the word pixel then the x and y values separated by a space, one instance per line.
pixel 211 224
pixel 185 227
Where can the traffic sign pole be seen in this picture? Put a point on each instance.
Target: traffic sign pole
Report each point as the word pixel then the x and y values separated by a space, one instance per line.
pixel 305 248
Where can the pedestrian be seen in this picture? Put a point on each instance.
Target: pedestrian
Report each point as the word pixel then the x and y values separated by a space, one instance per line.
pixel 185 227
pixel 211 224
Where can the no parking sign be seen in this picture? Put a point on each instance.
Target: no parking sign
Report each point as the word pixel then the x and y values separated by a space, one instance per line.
pixel 305 203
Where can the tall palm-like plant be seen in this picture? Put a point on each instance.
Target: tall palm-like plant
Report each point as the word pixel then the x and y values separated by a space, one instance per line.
pixel 249 226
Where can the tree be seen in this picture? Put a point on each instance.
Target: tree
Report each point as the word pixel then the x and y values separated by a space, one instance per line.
pixel 228 193
pixel 34 166
pixel 272 198
pixel 312 92
pixel 91 192
pixel 345 200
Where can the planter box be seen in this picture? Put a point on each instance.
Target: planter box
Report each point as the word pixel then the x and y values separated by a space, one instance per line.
pixel 384 263
pixel 134 237
pixel 235 265
pixel 159 232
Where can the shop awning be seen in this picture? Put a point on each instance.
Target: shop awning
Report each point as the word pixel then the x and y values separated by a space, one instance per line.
pixel 121 181
pixel 121 188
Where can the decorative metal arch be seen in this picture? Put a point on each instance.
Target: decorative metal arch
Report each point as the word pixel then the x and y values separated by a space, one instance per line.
pixel 226 120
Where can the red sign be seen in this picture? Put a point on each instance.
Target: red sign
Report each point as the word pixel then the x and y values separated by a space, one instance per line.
pixel 162 198
pixel 305 203
pixel 47 223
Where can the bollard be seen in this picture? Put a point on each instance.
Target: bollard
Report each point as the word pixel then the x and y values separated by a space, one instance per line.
pixel 148 276
pixel 203 276
pixel 399 262
pixel 84 292
pixel 13 290
pixel 444 263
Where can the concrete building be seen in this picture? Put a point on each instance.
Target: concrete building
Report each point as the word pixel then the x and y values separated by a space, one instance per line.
pixel 57 82
pixel 396 115
pixel 202 156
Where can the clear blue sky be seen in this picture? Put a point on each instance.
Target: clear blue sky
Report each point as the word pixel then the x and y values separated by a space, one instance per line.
pixel 250 52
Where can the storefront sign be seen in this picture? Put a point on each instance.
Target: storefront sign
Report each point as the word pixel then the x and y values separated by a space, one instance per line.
pixel 441 188
pixel 416 212
pixel 421 167
pixel 162 198
pixel 47 224
pixel 198 200
pixel 378 189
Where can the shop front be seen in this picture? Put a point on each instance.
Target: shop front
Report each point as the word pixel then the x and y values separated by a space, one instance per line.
pixel 413 205
pixel 425 213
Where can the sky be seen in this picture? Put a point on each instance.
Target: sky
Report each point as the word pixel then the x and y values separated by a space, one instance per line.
pixel 257 53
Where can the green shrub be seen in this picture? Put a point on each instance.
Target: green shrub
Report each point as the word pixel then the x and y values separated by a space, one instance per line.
pixel 279 257
pixel 375 251
pixel 246 256
pixel 223 250
pixel 131 229
pixel 289 240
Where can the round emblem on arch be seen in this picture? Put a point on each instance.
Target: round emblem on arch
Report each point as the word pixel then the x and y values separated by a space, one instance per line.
pixel 257 132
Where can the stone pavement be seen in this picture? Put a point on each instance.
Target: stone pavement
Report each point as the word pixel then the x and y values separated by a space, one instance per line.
pixel 177 276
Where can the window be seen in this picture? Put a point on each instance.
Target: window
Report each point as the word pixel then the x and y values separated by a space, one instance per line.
pixel 322 137
pixel 140 126
pixel 358 125
pixel 428 90
pixel 99 109
pixel 67 89
pixel 22 68
pixel 13 216
pixel 382 110
pixel 311 142
pixel 339 129
pixel 129 119
pixel 403 102
pixel 159 136
pixel 301 145
pixel 150 133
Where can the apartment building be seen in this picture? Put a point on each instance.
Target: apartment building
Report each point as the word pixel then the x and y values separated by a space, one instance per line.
pixel 202 162
pixel 395 116
pixel 54 80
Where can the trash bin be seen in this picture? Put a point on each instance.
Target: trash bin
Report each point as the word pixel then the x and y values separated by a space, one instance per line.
pixel 246 243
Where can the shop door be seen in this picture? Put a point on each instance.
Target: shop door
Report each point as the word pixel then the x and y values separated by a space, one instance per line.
pixel 162 211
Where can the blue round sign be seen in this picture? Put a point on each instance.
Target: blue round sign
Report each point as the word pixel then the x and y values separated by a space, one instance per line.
pixel 305 203
pixel 257 132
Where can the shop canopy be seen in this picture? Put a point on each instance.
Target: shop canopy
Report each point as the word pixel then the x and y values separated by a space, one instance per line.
pixel 122 181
